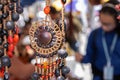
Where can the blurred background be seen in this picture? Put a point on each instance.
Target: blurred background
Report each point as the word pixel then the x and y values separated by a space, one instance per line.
pixel 82 16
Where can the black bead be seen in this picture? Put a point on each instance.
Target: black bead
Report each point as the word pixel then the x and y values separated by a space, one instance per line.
pixel 4 32
pixel 57 72
pixel 62 53
pixel 1 6
pixel 1 21
pixel 5 45
pixel 1 17
pixel 1 41
pixel 11 6
pixel 63 1
pixel 5 61
pixel 0 66
pixel 5 15
pixel 1 52
pixel 60 78
pixel 35 76
pixel 10 25
pixel 19 10
pixel 15 16
pixel 14 0
pixel 65 70
pixel 6 76
pixel 61 65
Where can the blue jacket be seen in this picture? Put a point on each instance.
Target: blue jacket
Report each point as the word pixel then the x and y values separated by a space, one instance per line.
pixel 95 52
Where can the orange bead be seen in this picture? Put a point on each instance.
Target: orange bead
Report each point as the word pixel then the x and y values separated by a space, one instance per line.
pixel 16 38
pixel 47 10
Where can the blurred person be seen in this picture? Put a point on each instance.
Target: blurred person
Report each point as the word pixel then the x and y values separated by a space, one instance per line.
pixel 104 45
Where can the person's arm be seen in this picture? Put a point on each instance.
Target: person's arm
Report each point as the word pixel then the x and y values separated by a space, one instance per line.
pixel 90 51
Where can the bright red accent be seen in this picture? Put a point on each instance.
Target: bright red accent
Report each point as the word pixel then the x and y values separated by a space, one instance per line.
pixel 47 10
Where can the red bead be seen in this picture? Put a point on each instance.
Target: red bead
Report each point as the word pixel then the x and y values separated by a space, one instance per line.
pixel 46 76
pixel 38 65
pixel 50 74
pixel 43 77
pixel 10 39
pixel 11 47
pixel 1 74
pixel 16 38
pixel 47 67
pixel 10 54
pixel 47 10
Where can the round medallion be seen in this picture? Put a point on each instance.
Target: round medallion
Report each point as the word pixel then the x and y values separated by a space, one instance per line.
pixel 45 39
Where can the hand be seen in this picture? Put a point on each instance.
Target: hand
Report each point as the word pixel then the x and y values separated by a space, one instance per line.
pixel 117 7
pixel 78 57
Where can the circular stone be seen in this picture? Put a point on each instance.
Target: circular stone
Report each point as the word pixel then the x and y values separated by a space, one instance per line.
pixel 44 37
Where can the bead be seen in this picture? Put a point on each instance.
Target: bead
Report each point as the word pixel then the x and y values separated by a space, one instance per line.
pixel 10 39
pixel 10 25
pixel 50 74
pixel 35 76
pixel 44 37
pixel 15 16
pixel 1 7
pixel 5 61
pixel 5 45
pixel 11 47
pixel 60 78
pixel 6 76
pixel 61 65
pixel 57 72
pixel 63 1
pixel 5 15
pixel 2 73
pixel 11 6
pixel 62 53
pixel 4 32
pixel 1 17
pixel 0 66
pixel 16 39
pixel 14 0
pixel 65 70
pixel 1 41
pixel 10 54
pixel 19 10
pixel 42 77
pixel 1 52
pixel 47 10
pixel 1 21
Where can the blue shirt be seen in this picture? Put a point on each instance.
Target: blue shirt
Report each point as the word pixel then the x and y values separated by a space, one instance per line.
pixel 95 52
